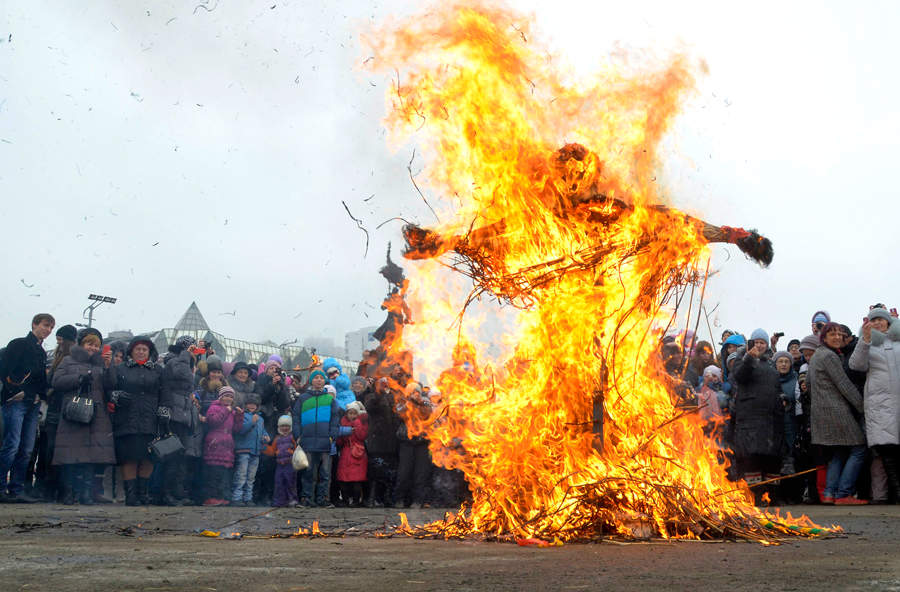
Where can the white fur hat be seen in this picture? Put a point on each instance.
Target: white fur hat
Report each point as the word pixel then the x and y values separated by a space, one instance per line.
pixel 285 420
pixel 358 406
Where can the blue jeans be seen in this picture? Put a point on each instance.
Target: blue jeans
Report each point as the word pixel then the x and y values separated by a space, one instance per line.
pixel 20 420
pixel 843 470
pixel 319 464
pixel 245 466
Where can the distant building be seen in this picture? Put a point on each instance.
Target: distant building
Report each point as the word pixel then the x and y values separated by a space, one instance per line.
pixel 325 347
pixel 236 350
pixel 356 342
pixel 118 336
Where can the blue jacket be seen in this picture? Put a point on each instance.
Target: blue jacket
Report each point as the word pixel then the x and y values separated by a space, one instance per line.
pixel 345 396
pixel 250 437
pixel 331 362
pixel 316 420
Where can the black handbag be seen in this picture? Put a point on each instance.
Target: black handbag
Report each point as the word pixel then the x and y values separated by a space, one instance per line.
pixel 79 410
pixel 164 447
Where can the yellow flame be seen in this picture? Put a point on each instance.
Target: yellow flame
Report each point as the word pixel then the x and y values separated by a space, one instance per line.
pixel 490 111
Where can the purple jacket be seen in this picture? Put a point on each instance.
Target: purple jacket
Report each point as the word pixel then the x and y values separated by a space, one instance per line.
pixel 218 446
pixel 284 449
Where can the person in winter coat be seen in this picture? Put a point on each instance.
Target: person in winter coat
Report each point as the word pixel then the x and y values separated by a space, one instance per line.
pixel 834 418
pixel 273 394
pixel 878 355
pixel 80 446
pixel 757 415
pixel 850 340
pixel 47 478
pixel 791 489
pixel 787 378
pixel 316 423
pixel 249 442
pixel 208 386
pixel 345 394
pixel 275 400
pixel 701 358
pixel 282 450
pixel 178 380
pixel 118 349
pixel 332 369
pixel 353 461
pixel 381 443
pixel 222 418
pixel 134 390
pixel 239 379
pixel 413 458
pixel 24 386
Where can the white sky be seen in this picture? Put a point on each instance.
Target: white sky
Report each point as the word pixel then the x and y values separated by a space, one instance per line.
pixel 205 158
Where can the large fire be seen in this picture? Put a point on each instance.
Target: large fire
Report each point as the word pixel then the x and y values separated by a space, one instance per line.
pixel 548 185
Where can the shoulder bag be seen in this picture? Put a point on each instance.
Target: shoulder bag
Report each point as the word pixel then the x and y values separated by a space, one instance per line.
pixel 79 410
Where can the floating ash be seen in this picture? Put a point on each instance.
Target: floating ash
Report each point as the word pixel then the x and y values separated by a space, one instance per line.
pixel 572 434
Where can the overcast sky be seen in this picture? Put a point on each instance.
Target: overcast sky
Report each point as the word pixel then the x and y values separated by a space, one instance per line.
pixel 164 152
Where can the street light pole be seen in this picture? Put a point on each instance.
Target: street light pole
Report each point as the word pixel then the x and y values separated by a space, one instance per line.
pixel 97 301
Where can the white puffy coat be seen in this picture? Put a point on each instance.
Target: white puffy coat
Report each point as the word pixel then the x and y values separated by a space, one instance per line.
pixel 880 360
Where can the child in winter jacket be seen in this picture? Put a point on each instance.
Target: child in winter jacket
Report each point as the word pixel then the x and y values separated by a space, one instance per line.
pixel 248 444
pixel 353 461
pixel 218 446
pixel 282 448
pixel 711 396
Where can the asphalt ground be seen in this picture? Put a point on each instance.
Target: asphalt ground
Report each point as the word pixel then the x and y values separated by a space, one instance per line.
pixel 117 548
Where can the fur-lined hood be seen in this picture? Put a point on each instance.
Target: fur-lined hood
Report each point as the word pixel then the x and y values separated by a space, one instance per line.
pixel 892 334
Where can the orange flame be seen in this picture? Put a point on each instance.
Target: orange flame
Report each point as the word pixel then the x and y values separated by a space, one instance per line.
pixel 491 111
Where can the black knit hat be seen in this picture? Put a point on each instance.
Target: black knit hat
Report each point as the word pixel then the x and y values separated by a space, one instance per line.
pixel 89 331
pixel 67 332
pixel 240 366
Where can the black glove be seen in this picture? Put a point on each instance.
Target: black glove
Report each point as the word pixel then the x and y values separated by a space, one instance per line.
pixel 120 399
pixel 163 413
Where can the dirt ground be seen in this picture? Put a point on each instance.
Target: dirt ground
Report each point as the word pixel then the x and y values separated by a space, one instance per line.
pixel 114 548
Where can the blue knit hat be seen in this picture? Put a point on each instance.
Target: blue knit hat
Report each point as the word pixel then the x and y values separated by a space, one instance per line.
pixel 317 372
pixel 821 316
pixel 760 334
pixel 736 339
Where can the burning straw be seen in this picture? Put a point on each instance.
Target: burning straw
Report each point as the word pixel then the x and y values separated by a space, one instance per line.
pixel 574 433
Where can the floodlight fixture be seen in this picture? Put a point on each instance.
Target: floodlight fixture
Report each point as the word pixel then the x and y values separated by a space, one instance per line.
pixel 97 301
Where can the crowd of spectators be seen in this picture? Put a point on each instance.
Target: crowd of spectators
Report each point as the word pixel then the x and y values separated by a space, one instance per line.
pixel 817 422
pixel 235 428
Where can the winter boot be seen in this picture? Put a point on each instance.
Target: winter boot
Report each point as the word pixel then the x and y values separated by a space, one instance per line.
pixel 68 484
pixel 97 490
pixel 143 491
pixel 85 485
pixel 893 477
pixel 131 494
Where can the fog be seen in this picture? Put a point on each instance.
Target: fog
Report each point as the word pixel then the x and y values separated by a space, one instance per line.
pixel 163 153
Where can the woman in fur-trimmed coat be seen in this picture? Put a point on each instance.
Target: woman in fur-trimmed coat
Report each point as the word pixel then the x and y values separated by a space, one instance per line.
pixel 878 355
pixel 81 446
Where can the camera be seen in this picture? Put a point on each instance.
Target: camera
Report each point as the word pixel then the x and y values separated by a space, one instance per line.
pixel 779 335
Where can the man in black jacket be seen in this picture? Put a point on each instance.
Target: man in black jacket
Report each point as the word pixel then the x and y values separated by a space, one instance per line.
pixel 23 373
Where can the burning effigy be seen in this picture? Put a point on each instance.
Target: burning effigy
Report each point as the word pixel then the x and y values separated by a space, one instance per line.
pixel 551 205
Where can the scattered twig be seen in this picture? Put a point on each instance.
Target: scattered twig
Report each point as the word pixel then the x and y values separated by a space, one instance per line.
pixel 205 7
pixel 391 220
pixel 411 178
pixel 359 225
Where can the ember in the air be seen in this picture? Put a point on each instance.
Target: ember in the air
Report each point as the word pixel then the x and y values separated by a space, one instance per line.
pixel 574 238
